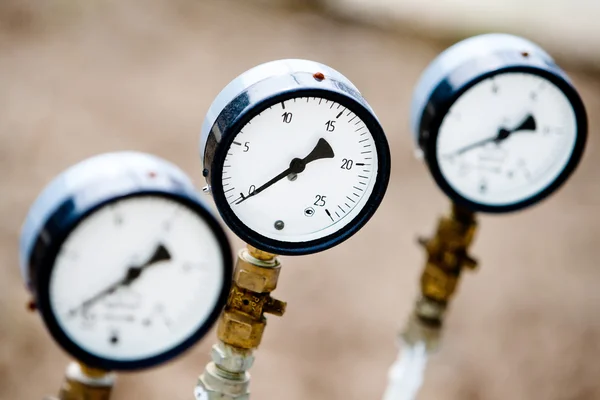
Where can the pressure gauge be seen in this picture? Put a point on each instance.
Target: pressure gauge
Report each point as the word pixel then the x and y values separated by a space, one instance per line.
pixel 500 125
pixel 294 156
pixel 126 266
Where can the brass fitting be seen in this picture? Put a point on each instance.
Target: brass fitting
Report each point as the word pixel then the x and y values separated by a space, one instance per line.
pixel 447 255
pixel 255 276
pixel 241 326
pixel 85 383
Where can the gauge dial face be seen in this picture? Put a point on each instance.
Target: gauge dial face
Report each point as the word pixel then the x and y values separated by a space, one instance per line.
pixel 506 139
pixel 301 170
pixel 136 278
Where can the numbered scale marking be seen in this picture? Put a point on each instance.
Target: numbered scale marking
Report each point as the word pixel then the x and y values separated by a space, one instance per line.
pixel 303 165
pixel 126 265
pixel 500 125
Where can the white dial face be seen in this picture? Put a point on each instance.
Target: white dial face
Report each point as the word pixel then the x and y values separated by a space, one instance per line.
pixel 136 278
pixel 300 170
pixel 506 139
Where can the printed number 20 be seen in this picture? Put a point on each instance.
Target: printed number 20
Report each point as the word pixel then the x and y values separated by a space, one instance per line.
pixel 347 163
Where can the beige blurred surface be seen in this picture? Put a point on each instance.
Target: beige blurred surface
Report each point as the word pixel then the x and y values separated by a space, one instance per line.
pixel 80 79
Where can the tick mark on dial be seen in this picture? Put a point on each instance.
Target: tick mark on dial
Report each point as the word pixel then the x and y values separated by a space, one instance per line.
pixel 328 214
pixel 350 199
pixel 352 119
pixel 238 143
pixel 283 105
pixel 359 164
pixel 341 209
pixel 340 114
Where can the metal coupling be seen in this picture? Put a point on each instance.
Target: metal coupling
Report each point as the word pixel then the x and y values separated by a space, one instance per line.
pixel 447 256
pixel 255 276
pixel 85 383
pixel 241 326
pixel 226 377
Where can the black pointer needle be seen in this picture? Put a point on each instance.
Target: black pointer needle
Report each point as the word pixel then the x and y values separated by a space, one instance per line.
pixel 133 273
pixel 297 165
pixel 528 124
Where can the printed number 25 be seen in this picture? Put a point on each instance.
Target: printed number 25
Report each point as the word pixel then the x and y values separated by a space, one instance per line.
pixel 320 200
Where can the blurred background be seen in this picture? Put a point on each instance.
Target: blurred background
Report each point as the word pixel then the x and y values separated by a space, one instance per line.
pixel 78 78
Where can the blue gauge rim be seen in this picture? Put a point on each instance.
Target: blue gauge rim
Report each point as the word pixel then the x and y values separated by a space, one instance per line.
pixel 62 223
pixel 234 125
pixel 461 80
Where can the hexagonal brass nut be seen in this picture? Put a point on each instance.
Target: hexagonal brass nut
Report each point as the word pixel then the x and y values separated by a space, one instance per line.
pixel 230 358
pixel 240 330
pixel 253 276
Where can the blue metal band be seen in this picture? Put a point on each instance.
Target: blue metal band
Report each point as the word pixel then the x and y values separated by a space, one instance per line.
pixel 454 57
pixel 94 181
pixel 269 70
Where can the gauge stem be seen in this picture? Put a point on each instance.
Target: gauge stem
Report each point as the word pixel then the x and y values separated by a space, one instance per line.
pixel 447 256
pixel 85 383
pixel 241 326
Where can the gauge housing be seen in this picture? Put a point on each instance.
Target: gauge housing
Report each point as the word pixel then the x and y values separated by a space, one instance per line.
pixel 255 91
pixel 79 192
pixel 463 66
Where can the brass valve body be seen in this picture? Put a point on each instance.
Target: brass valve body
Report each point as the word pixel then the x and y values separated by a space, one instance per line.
pixel 255 276
pixel 85 383
pixel 73 390
pixel 447 255
pixel 241 327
